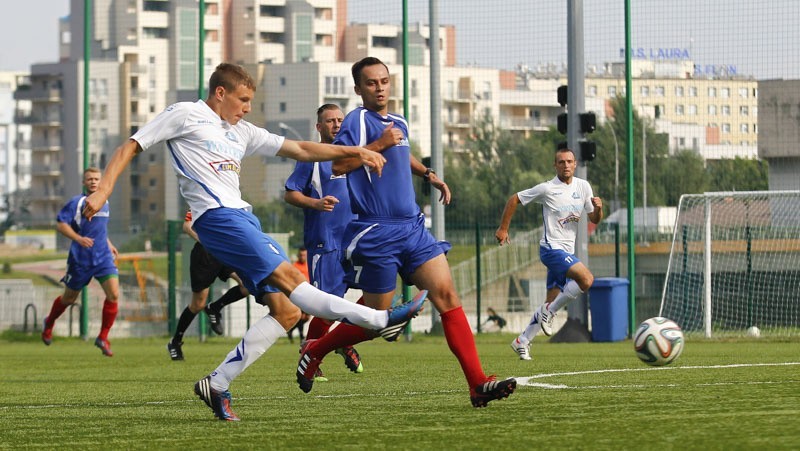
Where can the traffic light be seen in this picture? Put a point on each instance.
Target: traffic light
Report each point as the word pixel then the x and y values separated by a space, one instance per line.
pixel 588 122
pixel 562 95
pixel 562 123
pixel 588 150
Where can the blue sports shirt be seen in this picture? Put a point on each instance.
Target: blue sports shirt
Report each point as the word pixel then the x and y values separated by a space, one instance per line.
pixel 322 230
pixel 96 229
pixel 392 194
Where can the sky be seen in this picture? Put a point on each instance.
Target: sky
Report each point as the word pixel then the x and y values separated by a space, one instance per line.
pixel 760 38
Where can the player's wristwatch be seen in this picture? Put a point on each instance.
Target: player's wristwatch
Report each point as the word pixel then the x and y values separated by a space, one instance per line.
pixel 428 173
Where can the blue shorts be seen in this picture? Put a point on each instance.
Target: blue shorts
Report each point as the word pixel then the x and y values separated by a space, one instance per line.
pixel 234 237
pixel 327 272
pixel 558 262
pixel 377 251
pixel 78 276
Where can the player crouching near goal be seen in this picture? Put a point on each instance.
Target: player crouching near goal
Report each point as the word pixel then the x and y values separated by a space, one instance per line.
pixel 563 200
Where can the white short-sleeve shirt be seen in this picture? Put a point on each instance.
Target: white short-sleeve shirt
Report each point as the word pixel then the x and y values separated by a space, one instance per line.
pixel 562 206
pixel 206 152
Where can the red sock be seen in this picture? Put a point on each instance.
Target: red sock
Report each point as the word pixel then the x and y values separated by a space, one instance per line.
pixel 317 327
pixel 462 344
pixel 109 315
pixel 341 336
pixel 55 311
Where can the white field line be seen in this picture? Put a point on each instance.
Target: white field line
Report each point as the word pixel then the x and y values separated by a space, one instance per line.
pixel 529 380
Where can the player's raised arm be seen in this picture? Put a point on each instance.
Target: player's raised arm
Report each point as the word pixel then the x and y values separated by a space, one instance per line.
pixel 312 151
pixel 119 161
pixel 390 137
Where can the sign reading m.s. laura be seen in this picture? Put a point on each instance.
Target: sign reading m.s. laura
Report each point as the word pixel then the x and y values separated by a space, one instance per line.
pixel 677 53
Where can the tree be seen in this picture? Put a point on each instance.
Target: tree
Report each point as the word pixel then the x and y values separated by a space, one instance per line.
pixel 738 174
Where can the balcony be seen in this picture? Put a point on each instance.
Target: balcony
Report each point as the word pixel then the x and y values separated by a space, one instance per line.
pixel 138 93
pixel 53 169
pixel 45 145
pixel 27 92
pixel 461 122
pixel 137 118
pixel 25 117
pixel 463 96
pixel 41 194
pixel 522 123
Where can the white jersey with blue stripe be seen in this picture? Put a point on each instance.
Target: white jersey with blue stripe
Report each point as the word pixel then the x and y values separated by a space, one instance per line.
pixel 390 196
pixel 562 206
pixel 206 152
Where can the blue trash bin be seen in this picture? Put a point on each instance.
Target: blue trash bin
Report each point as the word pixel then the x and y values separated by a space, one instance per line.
pixel 608 302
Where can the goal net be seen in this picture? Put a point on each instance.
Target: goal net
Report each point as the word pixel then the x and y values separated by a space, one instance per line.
pixel 735 264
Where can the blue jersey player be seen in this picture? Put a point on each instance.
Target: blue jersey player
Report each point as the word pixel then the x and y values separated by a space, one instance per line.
pixel 389 238
pixel 90 255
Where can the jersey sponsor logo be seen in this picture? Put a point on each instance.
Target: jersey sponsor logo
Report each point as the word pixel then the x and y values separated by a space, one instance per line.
pixel 403 142
pixel 225 166
pixel 231 136
pixel 575 195
pixel 203 122
pixel 224 148
pixel 334 177
pixel 569 219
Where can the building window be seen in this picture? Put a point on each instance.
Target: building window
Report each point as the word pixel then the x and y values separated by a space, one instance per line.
pixel 743 92
pixel 644 91
pixel 726 128
pixel 755 128
pixel 154 33
pixel 153 182
pixel 725 93
pixel 691 110
pixel 712 92
pixel 414 114
pixel 282 107
pixel 414 92
pixel 592 91
pixel 612 91
pixel 283 81
pixel 712 110
pixel 678 91
pixel 726 110
pixel 659 91
pixel 335 86
pixel 744 128
pixel 692 91
pixel 679 110
pixel 743 110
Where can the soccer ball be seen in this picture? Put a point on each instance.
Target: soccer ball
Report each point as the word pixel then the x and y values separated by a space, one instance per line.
pixel 754 332
pixel 658 341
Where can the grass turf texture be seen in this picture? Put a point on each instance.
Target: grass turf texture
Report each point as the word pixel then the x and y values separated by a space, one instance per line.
pixel 410 396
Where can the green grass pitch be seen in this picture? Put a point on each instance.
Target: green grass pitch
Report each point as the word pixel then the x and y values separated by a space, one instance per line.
pixel 742 394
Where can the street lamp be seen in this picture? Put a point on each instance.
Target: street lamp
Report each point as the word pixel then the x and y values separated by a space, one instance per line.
pixel 284 126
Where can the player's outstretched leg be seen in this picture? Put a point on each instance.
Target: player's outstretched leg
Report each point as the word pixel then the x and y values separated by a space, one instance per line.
pixel 218 401
pixel 491 390
pixel 400 316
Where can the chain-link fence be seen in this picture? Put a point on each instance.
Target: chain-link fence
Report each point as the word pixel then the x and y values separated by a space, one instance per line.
pixel 711 90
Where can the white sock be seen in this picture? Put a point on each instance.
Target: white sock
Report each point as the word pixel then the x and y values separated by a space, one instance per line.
pixel 571 291
pixel 319 303
pixel 261 335
pixel 526 337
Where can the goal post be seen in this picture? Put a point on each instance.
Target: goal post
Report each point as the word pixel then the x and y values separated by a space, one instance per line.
pixel 735 263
